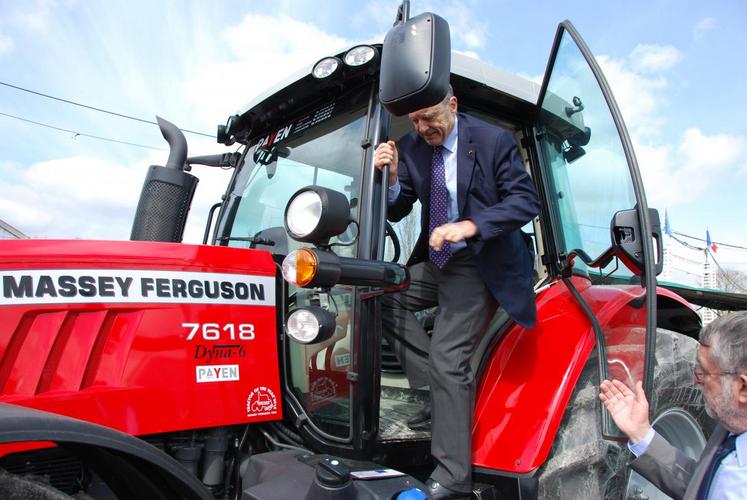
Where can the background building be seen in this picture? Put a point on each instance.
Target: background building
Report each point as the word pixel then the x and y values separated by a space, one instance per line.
pixel 8 232
pixel 703 263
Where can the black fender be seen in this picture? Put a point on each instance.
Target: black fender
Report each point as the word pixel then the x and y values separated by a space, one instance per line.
pixel 131 467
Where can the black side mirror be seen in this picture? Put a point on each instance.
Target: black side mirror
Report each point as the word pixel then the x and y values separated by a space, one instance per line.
pixel 415 64
pixel 627 242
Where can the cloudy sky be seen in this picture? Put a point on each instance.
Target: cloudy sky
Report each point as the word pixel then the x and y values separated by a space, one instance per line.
pixel 676 68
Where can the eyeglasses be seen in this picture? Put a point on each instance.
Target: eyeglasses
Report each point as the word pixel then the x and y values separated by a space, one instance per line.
pixel 699 374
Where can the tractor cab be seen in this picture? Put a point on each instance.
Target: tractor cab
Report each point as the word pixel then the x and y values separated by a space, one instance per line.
pixel 596 249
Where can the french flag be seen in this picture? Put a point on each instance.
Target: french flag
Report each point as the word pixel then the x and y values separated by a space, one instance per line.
pixel 710 244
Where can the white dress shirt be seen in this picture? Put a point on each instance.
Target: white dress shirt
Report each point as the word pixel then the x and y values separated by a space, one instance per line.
pixel 450 146
pixel 730 482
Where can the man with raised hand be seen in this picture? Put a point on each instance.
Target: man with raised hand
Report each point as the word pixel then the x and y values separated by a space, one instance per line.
pixel 721 470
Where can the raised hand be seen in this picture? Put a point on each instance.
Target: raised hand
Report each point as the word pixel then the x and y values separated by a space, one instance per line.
pixel 386 154
pixel 629 409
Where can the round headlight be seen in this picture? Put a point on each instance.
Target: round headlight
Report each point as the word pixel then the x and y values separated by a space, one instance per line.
pixel 325 67
pixel 309 325
pixel 360 55
pixel 303 214
pixel 315 214
pixel 299 267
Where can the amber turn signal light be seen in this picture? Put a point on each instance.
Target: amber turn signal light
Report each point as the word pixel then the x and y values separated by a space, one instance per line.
pixel 300 267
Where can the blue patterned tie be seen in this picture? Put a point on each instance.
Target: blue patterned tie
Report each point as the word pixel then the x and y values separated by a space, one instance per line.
pixel 726 447
pixel 439 206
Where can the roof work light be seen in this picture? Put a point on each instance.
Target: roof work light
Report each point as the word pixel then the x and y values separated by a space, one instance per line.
pixel 326 67
pixel 360 55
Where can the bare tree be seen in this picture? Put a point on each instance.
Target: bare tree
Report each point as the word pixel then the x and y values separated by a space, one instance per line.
pixel 731 280
pixel 408 230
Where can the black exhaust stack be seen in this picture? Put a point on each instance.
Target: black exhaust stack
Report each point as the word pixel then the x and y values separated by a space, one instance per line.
pixel 167 193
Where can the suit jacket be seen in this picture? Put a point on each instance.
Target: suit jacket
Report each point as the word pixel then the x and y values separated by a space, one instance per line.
pixel 495 192
pixel 671 471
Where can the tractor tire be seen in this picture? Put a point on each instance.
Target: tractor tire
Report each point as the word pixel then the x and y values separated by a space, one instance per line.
pixel 13 487
pixel 582 465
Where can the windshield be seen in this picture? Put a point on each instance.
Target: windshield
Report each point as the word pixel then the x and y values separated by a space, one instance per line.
pixel 322 148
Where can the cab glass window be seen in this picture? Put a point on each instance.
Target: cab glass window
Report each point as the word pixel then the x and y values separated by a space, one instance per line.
pixel 321 148
pixel 590 177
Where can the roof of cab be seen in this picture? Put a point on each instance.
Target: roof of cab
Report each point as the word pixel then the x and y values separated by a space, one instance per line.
pixel 461 65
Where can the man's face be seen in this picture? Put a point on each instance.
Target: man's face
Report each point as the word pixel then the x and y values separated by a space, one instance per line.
pixel 434 124
pixel 718 391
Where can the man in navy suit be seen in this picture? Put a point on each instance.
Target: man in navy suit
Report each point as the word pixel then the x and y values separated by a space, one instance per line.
pixel 470 258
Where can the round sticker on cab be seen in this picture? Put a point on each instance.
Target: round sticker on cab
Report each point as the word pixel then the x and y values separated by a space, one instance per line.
pixel 261 401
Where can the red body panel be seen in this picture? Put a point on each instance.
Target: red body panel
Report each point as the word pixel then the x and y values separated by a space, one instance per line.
pixel 121 355
pixel 524 391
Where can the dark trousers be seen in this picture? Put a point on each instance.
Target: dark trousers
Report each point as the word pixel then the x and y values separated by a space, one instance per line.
pixel 465 306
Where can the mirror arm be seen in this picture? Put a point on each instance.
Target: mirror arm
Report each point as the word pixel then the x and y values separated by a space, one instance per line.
pixel 603 259
pixel 599 262
pixel 403 13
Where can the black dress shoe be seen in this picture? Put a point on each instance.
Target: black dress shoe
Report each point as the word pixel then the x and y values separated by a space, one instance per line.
pixel 421 420
pixel 438 491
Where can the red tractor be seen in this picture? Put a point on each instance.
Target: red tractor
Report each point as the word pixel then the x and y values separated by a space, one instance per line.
pixel 156 369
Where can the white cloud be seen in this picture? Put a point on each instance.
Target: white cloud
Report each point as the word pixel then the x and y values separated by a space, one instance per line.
pixel 706 154
pixel 465 25
pixel 88 197
pixel 83 197
pixel 28 217
pixel 639 96
pixel 654 58
pixel 262 48
pixel 702 27
pixel 95 196
pixel 7 168
pixel 78 180
pixel 468 29
pixel 474 39
pixel 6 44
pixel 676 175
pixel 675 170
pixel 34 16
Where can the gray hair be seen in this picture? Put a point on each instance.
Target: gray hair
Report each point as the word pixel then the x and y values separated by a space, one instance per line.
pixel 449 95
pixel 727 337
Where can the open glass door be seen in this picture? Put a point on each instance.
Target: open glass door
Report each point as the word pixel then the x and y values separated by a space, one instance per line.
pixel 591 175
